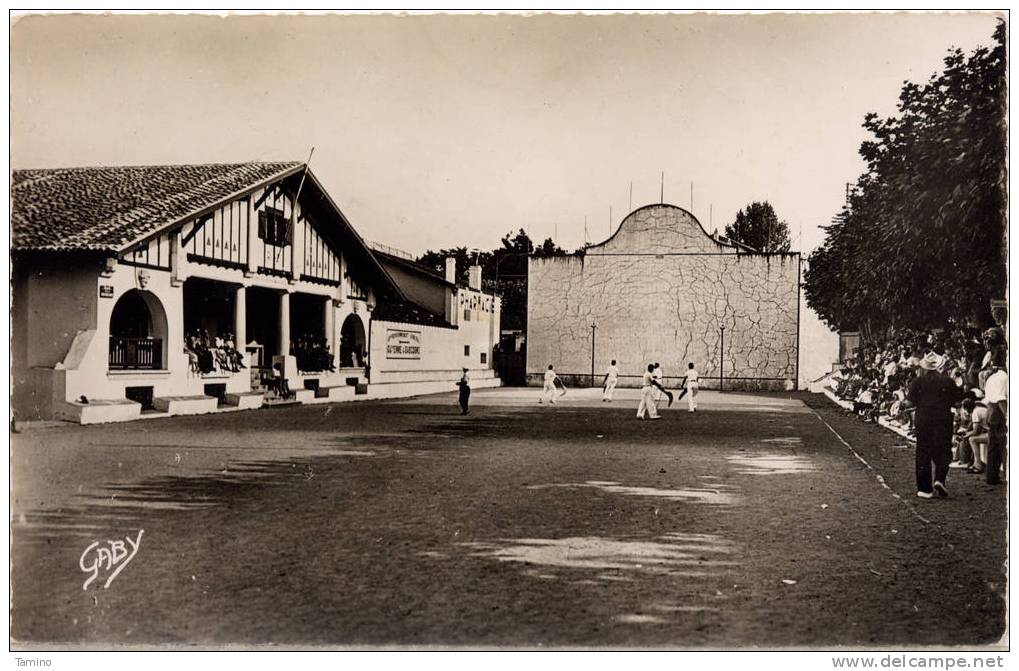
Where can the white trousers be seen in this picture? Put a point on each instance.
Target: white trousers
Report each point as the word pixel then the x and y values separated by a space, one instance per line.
pixel 647 402
pixel 548 392
pixel 610 386
pixel 691 395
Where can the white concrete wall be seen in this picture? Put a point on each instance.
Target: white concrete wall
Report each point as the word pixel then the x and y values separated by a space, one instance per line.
pixel 442 350
pixel 819 346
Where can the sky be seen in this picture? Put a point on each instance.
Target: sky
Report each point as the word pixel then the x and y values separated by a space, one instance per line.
pixel 435 131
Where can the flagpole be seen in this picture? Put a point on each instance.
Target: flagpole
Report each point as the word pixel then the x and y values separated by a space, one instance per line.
pixel 300 185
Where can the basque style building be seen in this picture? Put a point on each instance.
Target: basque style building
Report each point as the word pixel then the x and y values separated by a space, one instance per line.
pixel 144 291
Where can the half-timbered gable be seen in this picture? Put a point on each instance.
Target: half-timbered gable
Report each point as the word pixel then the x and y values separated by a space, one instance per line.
pixel 220 237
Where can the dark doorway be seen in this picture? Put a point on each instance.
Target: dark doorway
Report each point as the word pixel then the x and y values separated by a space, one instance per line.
pixel 353 347
pixel 208 308
pixel 263 317
pixel 307 316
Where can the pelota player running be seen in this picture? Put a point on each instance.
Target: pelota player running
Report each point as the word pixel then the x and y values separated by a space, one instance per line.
pixel 548 390
pixel 610 381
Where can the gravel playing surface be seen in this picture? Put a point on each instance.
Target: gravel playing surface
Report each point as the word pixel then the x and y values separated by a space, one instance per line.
pixel 745 525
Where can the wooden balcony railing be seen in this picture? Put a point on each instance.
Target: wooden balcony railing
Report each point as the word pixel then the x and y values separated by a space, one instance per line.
pixel 136 353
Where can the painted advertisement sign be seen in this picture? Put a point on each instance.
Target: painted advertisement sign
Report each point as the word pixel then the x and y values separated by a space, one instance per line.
pixel 401 344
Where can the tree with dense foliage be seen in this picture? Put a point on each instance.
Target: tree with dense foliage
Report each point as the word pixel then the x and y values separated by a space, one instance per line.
pixel 758 226
pixel 921 240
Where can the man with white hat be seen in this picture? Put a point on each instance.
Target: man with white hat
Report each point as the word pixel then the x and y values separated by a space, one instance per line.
pixel 933 394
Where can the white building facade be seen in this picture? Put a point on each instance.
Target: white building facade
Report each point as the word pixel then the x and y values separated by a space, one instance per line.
pixel 121 274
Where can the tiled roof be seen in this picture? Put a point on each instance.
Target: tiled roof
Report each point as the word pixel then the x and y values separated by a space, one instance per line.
pixel 106 208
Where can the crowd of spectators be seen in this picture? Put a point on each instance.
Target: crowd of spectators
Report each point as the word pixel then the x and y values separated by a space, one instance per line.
pixel 212 354
pixel 312 353
pixel 876 380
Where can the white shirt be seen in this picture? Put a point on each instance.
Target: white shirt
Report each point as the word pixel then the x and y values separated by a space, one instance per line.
pixel 612 372
pixel 549 376
pixel 657 375
pixel 996 387
pixel 692 377
pixel 979 419
pixel 646 380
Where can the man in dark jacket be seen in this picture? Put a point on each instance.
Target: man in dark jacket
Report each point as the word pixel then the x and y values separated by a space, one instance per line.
pixel 465 392
pixel 933 394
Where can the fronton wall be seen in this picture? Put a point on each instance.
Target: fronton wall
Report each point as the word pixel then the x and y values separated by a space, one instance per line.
pixel 650 306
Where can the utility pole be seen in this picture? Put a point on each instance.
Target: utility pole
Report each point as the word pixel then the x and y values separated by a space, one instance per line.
pixel 721 363
pixel 594 327
pixel 663 189
pixel 691 196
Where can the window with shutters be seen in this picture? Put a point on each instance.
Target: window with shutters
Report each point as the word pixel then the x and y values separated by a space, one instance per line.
pixel 274 228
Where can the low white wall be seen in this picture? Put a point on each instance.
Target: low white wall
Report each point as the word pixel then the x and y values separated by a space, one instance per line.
pixel 819 346
pixel 415 353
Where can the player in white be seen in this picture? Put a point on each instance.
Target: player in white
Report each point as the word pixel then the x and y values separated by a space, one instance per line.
pixel 549 389
pixel 647 396
pixel 609 383
pixel 658 375
pixel 693 385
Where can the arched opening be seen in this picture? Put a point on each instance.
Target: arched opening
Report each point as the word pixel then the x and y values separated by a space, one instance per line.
pixel 137 332
pixel 353 351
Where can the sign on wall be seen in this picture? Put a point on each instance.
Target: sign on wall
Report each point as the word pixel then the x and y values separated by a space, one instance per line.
pixel 403 344
pixel 106 291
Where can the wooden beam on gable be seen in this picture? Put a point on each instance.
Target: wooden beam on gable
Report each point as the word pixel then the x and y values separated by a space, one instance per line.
pixel 269 190
pixel 197 229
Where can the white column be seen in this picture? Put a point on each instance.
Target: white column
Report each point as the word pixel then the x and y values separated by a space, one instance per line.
pixel 284 324
pixel 241 323
pixel 330 326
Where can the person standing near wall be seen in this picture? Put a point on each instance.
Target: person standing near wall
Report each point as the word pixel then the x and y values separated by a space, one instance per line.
pixel 693 385
pixel 647 395
pixel 933 394
pixel 548 390
pixel 996 397
pixel 658 374
pixel 610 381
pixel 465 391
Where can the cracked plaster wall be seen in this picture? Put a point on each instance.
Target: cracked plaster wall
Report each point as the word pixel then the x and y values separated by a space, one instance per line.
pixel 659 290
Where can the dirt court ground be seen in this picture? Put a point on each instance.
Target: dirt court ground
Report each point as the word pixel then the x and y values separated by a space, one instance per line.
pixel 748 524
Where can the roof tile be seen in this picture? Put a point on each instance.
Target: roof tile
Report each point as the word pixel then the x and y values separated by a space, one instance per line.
pixel 106 208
